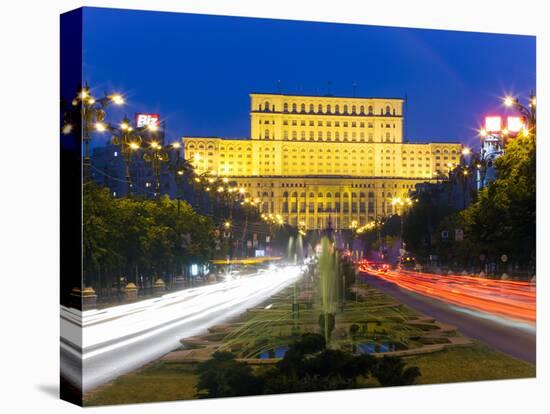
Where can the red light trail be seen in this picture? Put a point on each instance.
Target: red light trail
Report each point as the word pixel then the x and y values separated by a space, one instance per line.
pixel 511 299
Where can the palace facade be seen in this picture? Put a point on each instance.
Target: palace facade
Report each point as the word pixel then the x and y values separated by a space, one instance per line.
pixel 318 158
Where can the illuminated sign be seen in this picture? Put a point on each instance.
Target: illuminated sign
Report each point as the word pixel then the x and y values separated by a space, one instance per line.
pixel 148 120
pixel 515 124
pixel 493 124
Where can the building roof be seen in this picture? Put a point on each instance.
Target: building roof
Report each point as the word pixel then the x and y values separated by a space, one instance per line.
pixel 327 96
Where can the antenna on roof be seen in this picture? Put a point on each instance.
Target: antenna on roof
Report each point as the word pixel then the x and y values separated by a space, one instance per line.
pixel 329 83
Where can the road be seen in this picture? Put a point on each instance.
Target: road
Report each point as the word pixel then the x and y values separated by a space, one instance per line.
pixel 501 314
pixel 117 340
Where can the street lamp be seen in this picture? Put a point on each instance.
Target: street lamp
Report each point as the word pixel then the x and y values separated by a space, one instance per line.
pixel 401 202
pixel 92 117
pixel 129 139
pixel 529 111
pixel 155 155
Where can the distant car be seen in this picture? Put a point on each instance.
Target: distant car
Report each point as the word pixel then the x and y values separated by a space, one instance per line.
pixel 407 262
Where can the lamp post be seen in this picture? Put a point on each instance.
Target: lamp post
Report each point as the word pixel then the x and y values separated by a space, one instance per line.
pixel 92 115
pixel 401 202
pixel 155 155
pixel 129 140
pixel 529 111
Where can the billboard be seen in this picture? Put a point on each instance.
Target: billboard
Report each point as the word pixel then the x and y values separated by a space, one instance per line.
pixel 147 120
pixel 515 124
pixel 493 124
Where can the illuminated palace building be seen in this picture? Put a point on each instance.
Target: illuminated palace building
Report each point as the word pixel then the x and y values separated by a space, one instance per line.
pixel 315 159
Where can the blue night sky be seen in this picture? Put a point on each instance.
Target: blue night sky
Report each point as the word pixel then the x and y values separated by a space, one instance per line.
pixel 196 70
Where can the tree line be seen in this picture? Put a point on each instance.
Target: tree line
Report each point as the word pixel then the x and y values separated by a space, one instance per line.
pixel 501 219
pixel 137 240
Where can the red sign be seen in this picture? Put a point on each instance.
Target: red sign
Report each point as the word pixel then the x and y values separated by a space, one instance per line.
pixel 515 123
pixel 493 123
pixel 147 120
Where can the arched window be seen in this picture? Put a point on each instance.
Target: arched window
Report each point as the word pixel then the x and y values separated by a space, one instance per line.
pixel 285 107
pixel 328 109
pixel 311 195
pixel 266 106
pixel 371 110
pixel 329 195
pixel 311 108
pixel 293 107
pixel 285 194
pixel 337 109
pixel 362 109
pixel 303 108
pixel 346 109
pixel 388 109
pixel 320 109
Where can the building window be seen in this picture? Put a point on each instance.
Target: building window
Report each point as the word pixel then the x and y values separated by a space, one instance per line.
pixel 266 134
pixel 328 109
pixel 388 110
pixel 303 108
pixel 371 110
pixel 266 106
pixel 285 107
pixel 311 108
pixel 320 109
pixel 294 107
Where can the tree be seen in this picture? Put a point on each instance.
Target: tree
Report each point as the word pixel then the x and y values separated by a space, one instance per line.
pixel 223 376
pixel 503 218
pixel 132 237
pixel 390 371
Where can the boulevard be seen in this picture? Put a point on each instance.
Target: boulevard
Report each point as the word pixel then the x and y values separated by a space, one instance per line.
pixel 122 338
pixel 497 312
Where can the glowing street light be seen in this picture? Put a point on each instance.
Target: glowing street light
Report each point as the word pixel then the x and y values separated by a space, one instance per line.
pixel 100 127
pixel 509 101
pixel 117 99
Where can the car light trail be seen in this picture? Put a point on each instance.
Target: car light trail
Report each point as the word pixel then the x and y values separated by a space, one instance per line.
pixel 112 341
pixel 510 299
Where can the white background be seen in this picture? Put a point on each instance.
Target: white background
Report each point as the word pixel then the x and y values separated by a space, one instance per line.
pixel 29 204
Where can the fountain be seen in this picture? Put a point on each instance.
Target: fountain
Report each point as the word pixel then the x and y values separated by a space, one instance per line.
pixel 327 278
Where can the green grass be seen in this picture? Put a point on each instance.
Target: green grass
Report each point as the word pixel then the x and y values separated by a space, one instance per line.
pixel 476 362
pixel 157 382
